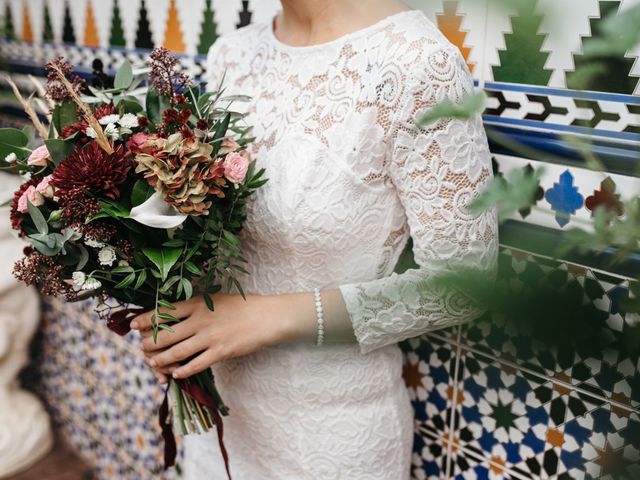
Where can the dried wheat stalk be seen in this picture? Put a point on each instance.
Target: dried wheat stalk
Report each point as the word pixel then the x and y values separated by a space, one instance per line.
pixel 28 109
pixel 101 138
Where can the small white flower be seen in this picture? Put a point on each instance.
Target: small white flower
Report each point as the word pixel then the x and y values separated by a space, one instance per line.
pixel 90 242
pixel 112 132
pixel 128 120
pixel 91 133
pixel 91 284
pixel 107 119
pixel 79 279
pixel 12 157
pixel 107 256
pixel 123 263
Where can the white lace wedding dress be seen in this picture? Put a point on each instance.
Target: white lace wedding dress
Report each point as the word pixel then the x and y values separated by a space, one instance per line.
pixel 351 177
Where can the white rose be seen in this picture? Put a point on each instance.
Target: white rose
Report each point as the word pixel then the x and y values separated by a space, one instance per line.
pixel 107 256
pixel 107 119
pixel 128 120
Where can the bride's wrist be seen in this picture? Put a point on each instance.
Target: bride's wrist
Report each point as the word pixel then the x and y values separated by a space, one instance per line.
pixel 293 316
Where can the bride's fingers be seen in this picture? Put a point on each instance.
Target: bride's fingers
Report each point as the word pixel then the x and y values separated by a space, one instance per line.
pixel 179 351
pixel 165 339
pixel 161 377
pixel 196 365
pixel 182 310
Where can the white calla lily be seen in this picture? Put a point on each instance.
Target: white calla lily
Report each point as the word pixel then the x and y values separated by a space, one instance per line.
pixel 157 213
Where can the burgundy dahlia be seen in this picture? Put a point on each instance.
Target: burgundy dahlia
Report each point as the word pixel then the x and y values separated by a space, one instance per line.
pixel 92 170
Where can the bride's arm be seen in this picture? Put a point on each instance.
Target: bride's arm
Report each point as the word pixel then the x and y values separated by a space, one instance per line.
pixel 437 171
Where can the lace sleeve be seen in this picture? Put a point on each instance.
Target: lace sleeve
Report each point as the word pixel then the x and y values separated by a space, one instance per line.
pixel 214 67
pixel 436 170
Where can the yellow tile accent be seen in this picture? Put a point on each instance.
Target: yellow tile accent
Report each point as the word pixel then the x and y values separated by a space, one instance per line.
pixel 91 38
pixel 27 31
pixel 173 35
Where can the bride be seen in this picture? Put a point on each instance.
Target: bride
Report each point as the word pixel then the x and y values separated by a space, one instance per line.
pixel 309 363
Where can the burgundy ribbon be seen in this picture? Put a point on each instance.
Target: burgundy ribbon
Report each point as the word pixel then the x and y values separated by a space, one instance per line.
pixel 201 396
pixel 119 321
pixel 170 449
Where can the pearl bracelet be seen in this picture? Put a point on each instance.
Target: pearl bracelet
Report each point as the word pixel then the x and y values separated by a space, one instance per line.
pixel 319 316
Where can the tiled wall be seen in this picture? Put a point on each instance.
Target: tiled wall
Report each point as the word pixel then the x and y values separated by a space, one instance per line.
pixel 490 402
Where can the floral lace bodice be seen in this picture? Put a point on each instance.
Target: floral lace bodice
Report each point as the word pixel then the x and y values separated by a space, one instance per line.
pixel 351 176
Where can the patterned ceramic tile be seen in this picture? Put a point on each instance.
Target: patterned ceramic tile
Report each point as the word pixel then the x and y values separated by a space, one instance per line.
pixel 107 409
pixel 595 360
pixel 539 428
pixel 429 459
pixel 466 465
pixel 428 371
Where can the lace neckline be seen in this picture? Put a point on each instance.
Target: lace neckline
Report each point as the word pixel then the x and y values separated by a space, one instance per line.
pixel 335 42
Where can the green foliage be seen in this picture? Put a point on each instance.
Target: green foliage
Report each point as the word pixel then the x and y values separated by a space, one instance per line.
pixel 155 105
pixel 59 149
pixel 141 192
pixel 63 115
pixel 470 105
pixel 124 76
pixel 13 140
pixel 163 258
pixel 508 195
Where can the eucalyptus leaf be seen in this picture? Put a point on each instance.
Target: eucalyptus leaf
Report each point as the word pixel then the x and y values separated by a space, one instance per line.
pixel 129 104
pixel 155 105
pixel 12 140
pixel 59 149
pixel 124 76
pixel 37 218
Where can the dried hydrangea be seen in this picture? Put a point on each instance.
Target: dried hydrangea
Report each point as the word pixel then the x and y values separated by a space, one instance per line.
pixel 183 170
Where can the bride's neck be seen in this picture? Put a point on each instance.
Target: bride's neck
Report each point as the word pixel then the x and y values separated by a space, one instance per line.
pixel 306 22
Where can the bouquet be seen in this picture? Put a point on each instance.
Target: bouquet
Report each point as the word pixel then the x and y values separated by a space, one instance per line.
pixel 138 195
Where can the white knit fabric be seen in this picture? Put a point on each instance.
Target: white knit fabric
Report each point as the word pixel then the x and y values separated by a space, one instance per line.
pixel 351 177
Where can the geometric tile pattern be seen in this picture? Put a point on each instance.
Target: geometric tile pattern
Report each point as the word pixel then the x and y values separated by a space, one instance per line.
pixel 105 407
pixel 492 401
pixel 524 410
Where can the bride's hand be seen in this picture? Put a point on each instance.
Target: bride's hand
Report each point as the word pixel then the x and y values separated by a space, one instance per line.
pixel 236 327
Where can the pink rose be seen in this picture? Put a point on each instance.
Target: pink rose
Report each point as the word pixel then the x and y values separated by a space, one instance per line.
pixel 45 188
pixel 34 197
pixel 137 140
pixel 228 145
pixel 39 157
pixel 235 167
